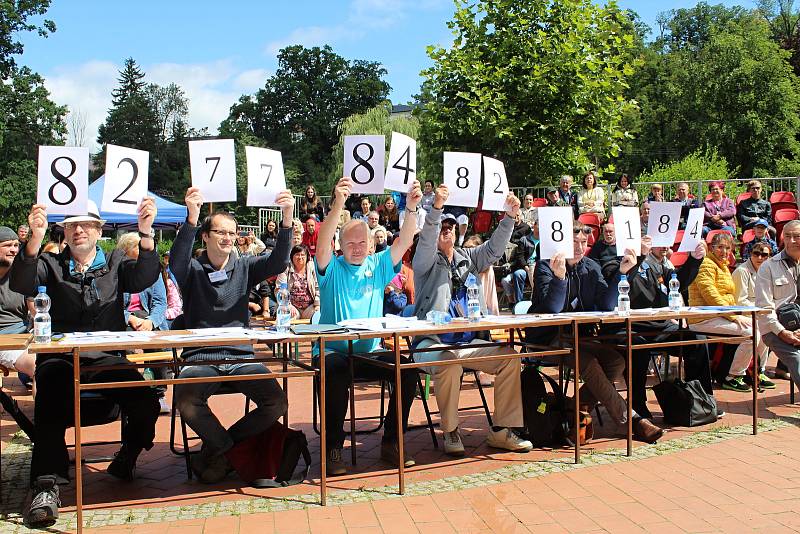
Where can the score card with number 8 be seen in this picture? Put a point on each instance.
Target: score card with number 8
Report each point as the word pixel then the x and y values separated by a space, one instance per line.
pixel 63 179
pixel 462 176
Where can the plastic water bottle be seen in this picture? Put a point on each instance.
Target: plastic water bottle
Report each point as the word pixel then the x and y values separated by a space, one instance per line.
pixel 283 315
pixel 624 300
pixel 473 302
pixel 42 327
pixel 675 299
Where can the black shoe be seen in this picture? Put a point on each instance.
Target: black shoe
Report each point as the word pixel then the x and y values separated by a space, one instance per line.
pixel 123 466
pixel 11 406
pixel 43 510
pixel 216 469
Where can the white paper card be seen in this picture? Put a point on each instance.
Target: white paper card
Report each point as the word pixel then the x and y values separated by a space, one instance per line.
pixel 555 232
pixel 364 157
pixel 213 164
pixel 663 223
pixel 63 179
pixel 628 229
pixel 401 167
pixel 265 177
pixel 693 233
pixel 495 185
pixel 126 179
pixel 462 176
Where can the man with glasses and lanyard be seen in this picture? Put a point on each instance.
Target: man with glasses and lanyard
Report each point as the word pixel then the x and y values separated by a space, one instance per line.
pixel 577 285
pixel 86 287
pixel 776 285
pixel 441 272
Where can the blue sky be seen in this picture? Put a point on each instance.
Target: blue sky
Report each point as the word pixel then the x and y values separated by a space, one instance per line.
pixel 218 51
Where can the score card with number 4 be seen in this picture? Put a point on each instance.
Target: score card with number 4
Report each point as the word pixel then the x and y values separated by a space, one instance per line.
pixel 126 179
pixel 694 230
pixel 555 232
pixel 401 167
pixel 63 179
pixel 265 177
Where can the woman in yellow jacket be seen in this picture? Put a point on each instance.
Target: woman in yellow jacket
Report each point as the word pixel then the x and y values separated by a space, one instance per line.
pixel 714 286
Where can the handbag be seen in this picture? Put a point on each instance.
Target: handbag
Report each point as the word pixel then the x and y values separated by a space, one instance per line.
pixel 685 403
pixel 269 459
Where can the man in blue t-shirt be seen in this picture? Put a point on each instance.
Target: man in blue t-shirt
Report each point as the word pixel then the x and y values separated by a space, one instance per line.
pixel 351 286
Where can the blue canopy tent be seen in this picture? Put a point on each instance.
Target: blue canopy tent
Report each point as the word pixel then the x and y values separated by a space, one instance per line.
pixel 170 215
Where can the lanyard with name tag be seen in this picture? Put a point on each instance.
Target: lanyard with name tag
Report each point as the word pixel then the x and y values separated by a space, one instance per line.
pixel 217 276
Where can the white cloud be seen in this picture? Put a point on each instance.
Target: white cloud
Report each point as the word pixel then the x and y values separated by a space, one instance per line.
pixel 212 88
pixel 310 36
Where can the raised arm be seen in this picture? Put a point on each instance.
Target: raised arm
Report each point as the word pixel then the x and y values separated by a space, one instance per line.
pixel 181 253
pixel 486 254
pixel 405 238
pixel 263 267
pixel 327 229
pixel 427 246
pixel 27 271
pixel 136 276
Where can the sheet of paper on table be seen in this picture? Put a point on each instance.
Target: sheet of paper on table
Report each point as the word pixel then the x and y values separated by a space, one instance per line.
pixel 390 322
pixel 106 336
pixel 266 335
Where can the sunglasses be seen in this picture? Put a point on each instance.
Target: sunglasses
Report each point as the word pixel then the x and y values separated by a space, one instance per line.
pixel 761 254
pixel 577 231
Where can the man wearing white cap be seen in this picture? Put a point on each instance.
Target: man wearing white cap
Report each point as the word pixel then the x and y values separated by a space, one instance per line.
pixel 86 287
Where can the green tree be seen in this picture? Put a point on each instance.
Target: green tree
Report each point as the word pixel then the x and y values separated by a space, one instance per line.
pixel 784 21
pixel 537 84
pixel 301 107
pixel 13 21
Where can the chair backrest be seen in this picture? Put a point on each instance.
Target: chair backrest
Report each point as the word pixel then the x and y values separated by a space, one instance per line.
pixel 678 238
pixel 742 196
pixel 712 233
pixel 778 206
pixel 748 235
pixel 782 196
pixel 592 219
pixel 539 202
pixel 679 258
pixel 522 307
pixel 409 311
pixel 481 221
pixel 786 215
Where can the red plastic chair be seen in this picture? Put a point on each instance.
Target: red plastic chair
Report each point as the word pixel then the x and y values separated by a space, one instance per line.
pixel 481 221
pixel 782 196
pixel 778 206
pixel 591 219
pixel 780 218
pixel 592 239
pixel 539 202
pixel 678 239
pixel 679 258
pixel 747 236
pixel 742 196
pixel 712 233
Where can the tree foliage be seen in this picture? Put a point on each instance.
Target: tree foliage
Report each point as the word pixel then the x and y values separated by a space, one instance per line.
pixel 14 19
pixel 537 84
pixel 302 105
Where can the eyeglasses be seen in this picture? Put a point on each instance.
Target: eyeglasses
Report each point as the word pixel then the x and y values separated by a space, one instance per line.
pixel 761 254
pixel 223 233
pixel 577 231
pixel 446 228
pixel 754 188
pixel 84 225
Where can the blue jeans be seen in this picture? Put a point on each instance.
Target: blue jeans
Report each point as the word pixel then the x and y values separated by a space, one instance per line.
pixel 192 401
pixel 514 284
pixel 788 354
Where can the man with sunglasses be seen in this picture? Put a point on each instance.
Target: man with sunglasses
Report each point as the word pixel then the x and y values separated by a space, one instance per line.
pixel 441 273
pixel 86 288
pixel 215 289
pixel 577 285
pixel 751 210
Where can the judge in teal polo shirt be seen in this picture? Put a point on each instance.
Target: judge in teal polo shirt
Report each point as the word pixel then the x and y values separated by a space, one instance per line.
pixel 351 286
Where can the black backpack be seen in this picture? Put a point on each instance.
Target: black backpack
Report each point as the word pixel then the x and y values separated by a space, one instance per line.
pixel 544 413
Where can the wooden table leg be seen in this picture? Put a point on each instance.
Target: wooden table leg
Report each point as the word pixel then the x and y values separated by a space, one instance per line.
pixel 76 376
pixel 323 452
pixel 576 349
pixel 398 405
pixel 629 352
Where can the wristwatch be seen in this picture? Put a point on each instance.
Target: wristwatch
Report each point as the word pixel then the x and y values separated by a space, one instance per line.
pixel 143 235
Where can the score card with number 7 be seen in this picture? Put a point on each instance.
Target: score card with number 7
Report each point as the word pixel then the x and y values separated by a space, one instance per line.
pixel 265 176
pixel 213 164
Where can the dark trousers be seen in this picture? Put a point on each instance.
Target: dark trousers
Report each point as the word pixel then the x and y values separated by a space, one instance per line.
pixel 695 363
pixel 337 394
pixel 54 408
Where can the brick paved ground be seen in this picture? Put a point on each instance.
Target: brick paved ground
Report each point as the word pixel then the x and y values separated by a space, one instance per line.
pixel 541 490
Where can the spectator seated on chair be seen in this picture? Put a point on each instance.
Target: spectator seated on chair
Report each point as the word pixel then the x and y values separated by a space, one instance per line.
pixel 592 198
pixel 624 194
pixel 644 217
pixel 352 287
pixel 751 210
pixel 761 238
pixel 551 196
pixel 656 193
pixel 714 286
pixel 775 286
pixel 301 281
pixel 744 283
pixel 649 281
pixel 441 271
pixel 86 288
pixel 720 211
pixel 686 201
pixel 576 285
pixel 389 216
pixel 310 234
pixel 215 289
pixel 427 196
pixel 310 204
pixel 605 250
pixel 529 212
pixel 524 256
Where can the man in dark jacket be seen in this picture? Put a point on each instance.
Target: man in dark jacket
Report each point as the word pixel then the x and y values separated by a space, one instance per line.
pixel 86 288
pixel 605 249
pixel 215 289
pixel 751 210
pixel 649 281
pixel 577 285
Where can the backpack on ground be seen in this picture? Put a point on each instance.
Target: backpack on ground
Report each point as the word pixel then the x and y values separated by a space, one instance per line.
pixel 544 412
pixel 269 459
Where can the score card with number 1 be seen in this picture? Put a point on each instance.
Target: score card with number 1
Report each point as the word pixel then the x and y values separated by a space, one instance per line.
pixel 628 229
pixel 555 232
pixel 63 179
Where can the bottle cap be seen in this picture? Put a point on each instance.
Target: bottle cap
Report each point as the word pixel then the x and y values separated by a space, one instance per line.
pixel 623 277
pixel 674 275
pixel 41 289
pixel 471 280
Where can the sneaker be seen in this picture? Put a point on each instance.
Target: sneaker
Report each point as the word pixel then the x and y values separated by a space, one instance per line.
pixel 335 465
pixel 509 440
pixel 452 443
pixel 763 382
pixel 485 379
pixel 216 469
pixel 721 414
pixel 736 383
pixel 43 510
pixel 163 407
pixel 123 466
pixel 390 453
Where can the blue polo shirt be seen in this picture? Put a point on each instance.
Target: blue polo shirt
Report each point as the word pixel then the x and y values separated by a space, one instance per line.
pixel 354 292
